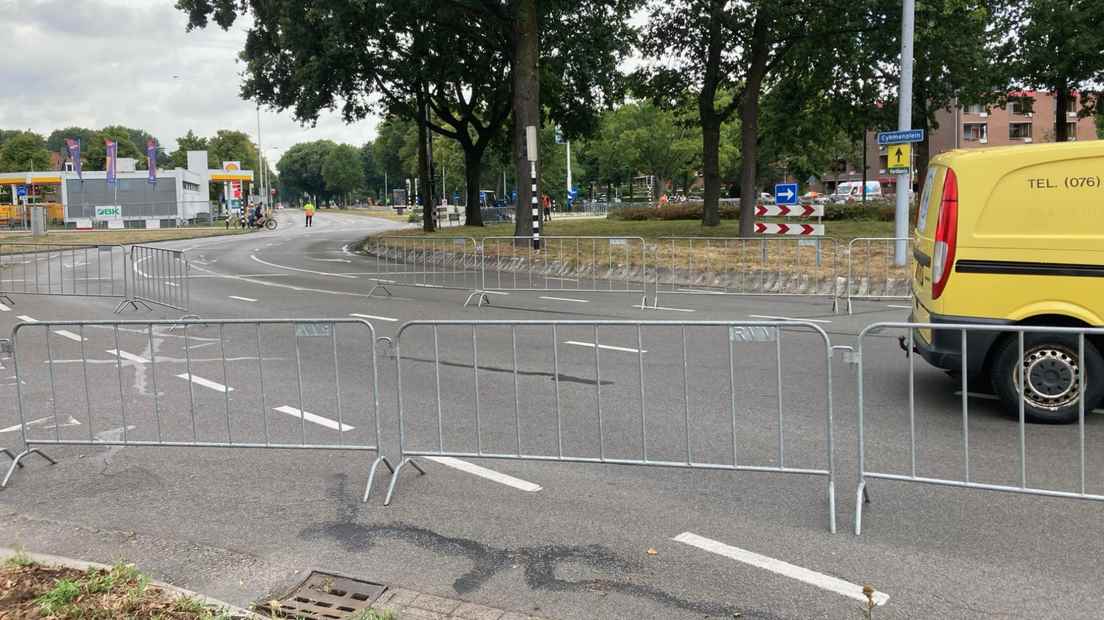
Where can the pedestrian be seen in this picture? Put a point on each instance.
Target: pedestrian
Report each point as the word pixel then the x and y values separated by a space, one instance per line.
pixel 309 210
pixel 546 206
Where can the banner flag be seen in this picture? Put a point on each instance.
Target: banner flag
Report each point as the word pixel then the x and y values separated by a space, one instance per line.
pixel 112 160
pixel 151 159
pixel 75 155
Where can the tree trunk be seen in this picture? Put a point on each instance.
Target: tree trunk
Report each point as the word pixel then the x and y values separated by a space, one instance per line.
pixel 1061 104
pixel 711 170
pixel 473 159
pixel 526 109
pixel 423 172
pixel 749 126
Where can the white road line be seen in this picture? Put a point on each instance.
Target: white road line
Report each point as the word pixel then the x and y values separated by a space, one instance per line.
pixel 603 346
pixel 901 307
pixel 663 308
pixel 207 383
pixel 285 267
pixel 332 260
pixel 310 417
pixel 785 318
pixel 483 472
pixel 173 284
pixel 26 319
pixel 811 577
pixel 70 421
pixel 495 293
pixel 995 397
pixel 372 316
pixel 129 356
pixel 64 333
pixel 4 308
pixel 249 299
pixel 578 301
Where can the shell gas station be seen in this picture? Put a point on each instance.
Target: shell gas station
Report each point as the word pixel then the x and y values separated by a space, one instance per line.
pixel 176 197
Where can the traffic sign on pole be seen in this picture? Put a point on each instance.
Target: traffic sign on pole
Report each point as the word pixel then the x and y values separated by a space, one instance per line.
pixel 806 230
pixel 785 193
pixel 899 158
pixel 789 211
pixel 900 137
pixel 20 190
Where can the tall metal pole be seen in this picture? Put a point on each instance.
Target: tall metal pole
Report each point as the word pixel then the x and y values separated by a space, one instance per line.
pixel 260 160
pixel 904 123
pixel 567 200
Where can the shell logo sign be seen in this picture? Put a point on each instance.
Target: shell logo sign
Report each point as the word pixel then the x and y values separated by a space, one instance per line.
pixel 235 186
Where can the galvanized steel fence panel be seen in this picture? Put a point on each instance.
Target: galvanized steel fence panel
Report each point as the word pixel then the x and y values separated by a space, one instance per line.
pixel 431 262
pixel 565 264
pixel 56 269
pixel 688 395
pixel 160 276
pixel 296 384
pixel 871 272
pixel 994 459
pixel 746 266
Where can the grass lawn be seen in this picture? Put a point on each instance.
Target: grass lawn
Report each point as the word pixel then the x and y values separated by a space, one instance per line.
pixel 118 237
pixel 388 214
pixel 649 230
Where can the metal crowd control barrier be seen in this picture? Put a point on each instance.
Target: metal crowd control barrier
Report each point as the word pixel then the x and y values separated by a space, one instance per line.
pixel 650 393
pixel 430 262
pixel 746 266
pixel 871 272
pixel 160 276
pixel 566 264
pixel 1005 460
pixel 136 383
pixel 56 269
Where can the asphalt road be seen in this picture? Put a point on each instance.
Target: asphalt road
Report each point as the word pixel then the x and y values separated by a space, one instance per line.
pixel 557 539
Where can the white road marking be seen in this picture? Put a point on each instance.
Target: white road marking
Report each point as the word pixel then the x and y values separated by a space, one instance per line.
pixel 901 307
pixel 642 307
pixel 249 299
pixel 811 577
pixel 785 318
pixel 70 266
pixel 71 421
pixel 483 472
pixel 26 319
pixel 578 301
pixel 317 273
pixel 372 316
pixel 64 333
pixel 495 293
pixel 129 356
pixel 995 397
pixel 332 260
pixel 317 419
pixel 4 308
pixel 207 383
pixel 603 346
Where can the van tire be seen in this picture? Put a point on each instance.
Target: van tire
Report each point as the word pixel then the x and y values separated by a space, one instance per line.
pixel 1054 358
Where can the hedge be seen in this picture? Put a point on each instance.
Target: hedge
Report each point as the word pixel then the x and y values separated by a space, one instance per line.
pixel 872 210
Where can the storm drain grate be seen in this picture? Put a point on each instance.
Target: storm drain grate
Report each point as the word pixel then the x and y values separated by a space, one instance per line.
pixel 323 596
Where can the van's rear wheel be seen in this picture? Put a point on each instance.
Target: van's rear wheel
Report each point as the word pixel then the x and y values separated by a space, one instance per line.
pixel 1052 369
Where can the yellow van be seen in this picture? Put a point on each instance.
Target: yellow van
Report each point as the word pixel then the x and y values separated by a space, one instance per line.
pixel 1015 236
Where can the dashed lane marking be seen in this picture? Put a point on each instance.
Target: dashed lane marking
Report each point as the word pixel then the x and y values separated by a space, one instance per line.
pixel 372 316
pixel 483 472
pixel 4 308
pixel 642 307
pixel 64 333
pixel 27 319
pixel 207 383
pixel 603 346
pixel 811 577
pixel 129 356
pixel 317 419
pixel 317 273
pixel 249 299
pixel 578 301
pixel 785 318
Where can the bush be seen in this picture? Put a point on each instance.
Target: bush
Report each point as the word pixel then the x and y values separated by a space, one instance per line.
pixel 668 213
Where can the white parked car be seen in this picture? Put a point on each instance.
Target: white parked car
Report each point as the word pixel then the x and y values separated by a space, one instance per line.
pixel 851 191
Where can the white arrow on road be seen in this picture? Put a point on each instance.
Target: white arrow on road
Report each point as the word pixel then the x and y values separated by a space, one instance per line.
pixel 40 422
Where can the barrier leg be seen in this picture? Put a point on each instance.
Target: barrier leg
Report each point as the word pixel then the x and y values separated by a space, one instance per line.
pixel 377 285
pixel 861 497
pixel 372 475
pixel 9 454
pixel 481 296
pixel 395 478
pixel 7 300
pixel 16 463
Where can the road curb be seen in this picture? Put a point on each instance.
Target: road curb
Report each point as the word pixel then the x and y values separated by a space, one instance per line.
pixel 83 565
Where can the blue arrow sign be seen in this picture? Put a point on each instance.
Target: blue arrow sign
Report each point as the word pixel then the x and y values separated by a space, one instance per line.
pixel 20 190
pixel 785 193
pixel 900 137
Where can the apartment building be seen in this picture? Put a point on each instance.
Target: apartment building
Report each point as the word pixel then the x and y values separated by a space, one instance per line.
pixel 1027 118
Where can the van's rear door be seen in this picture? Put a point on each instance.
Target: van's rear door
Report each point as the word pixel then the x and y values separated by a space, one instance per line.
pixel 924 243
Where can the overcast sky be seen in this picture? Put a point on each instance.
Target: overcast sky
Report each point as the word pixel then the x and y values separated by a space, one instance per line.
pixel 93 63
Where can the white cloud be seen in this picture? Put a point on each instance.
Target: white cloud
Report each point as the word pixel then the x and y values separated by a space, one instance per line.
pixel 93 63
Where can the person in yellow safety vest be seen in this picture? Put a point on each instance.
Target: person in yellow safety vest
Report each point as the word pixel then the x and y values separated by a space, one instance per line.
pixel 309 210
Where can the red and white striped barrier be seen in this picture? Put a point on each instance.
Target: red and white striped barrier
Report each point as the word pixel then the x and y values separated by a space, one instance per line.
pixel 789 211
pixel 811 230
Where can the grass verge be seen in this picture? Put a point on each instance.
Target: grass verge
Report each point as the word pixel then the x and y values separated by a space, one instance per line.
pixel 30 590
pixel 120 237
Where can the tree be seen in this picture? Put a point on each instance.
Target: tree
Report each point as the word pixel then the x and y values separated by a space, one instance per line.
pixel 342 170
pixel 1056 46
pixel 373 174
pixel 55 142
pixel 94 152
pixel 609 157
pixel 300 170
pixel 231 145
pixel 185 143
pixel 24 151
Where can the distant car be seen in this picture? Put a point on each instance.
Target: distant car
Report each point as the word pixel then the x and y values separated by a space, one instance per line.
pixel 851 191
pixel 768 199
pixel 814 198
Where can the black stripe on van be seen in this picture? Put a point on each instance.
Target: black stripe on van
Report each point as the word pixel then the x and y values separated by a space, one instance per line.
pixel 1029 269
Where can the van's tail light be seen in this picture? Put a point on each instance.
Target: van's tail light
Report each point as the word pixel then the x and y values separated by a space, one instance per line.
pixel 946 235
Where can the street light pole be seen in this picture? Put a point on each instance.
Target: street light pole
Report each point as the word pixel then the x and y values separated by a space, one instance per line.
pixel 904 123
pixel 260 160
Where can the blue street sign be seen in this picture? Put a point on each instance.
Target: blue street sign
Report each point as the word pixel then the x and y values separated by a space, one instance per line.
pixel 20 190
pixel 900 137
pixel 785 193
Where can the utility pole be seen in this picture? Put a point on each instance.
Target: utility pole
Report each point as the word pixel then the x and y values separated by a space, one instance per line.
pixel 904 123
pixel 260 160
pixel 567 198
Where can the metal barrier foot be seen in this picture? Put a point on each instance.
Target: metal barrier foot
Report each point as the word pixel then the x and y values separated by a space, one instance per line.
pixel 133 304
pixel 16 463
pixel 372 475
pixel 378 285
pixel 481 296
pixel 6 299
pixel 395 478
pixel 10 455
pixel 861 497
